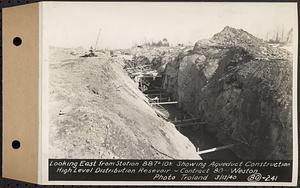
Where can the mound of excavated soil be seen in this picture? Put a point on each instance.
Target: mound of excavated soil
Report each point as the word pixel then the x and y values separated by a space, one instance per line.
pixel 156 57
pixel 96 111
pixel 242 87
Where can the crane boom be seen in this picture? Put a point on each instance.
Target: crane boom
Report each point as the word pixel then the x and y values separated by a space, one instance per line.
pixel 97 39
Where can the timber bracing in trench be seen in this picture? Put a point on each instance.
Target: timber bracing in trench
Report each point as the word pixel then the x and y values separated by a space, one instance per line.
pixel 215 149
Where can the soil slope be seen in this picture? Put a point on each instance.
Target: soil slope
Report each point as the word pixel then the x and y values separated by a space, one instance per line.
pixel 97 111
pixel 242 87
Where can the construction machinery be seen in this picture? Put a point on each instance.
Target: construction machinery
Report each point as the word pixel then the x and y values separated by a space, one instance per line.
pixel 92 50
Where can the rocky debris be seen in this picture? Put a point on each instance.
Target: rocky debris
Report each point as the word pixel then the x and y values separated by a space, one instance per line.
pixel 137 62
pixel 141 60
pixel 231 37
pixel 242 87
pixel 96 111
pixel 150 58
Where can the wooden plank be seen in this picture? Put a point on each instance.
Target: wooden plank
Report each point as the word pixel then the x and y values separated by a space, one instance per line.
pixel 161 98
pixel 149 76
pixel 215 149
pixel 173 102
pixel 187 120
pixel 157 94
pixel 137 67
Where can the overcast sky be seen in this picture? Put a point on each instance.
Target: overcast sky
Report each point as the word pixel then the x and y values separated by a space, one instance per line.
pixel 73 24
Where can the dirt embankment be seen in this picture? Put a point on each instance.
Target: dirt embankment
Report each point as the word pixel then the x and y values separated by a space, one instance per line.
pixel 96 111
pixel 156 57
pixel 242 87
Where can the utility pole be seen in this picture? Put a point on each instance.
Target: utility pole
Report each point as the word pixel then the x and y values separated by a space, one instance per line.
pixel 277 39
pixel 282 34
pixel 267 37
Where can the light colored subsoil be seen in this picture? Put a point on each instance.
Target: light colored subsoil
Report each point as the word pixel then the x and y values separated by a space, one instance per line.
pixel 97 111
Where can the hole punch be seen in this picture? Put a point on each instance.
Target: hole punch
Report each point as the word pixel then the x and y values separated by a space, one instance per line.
pixel 16 144
pixel 17 41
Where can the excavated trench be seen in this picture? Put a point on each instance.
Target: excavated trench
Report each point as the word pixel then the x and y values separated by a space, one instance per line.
pixel 197 132
pixel 236 83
